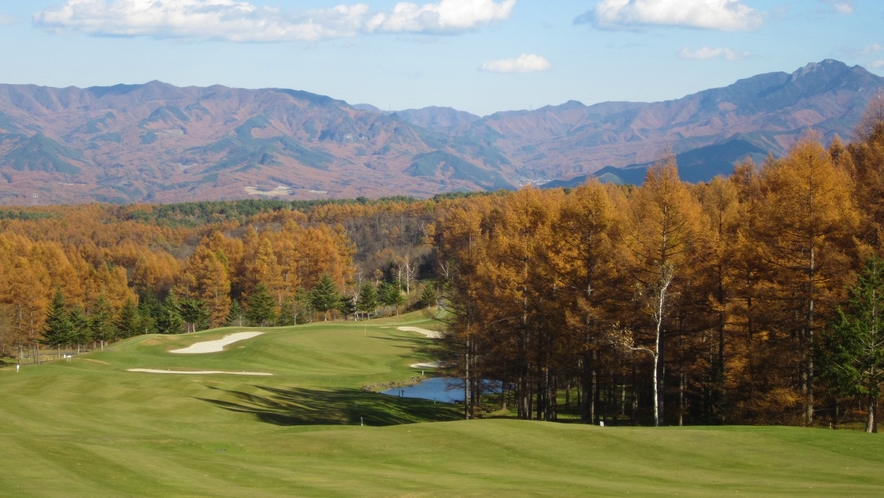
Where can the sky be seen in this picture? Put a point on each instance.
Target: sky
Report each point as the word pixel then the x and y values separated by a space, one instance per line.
pixel 480 56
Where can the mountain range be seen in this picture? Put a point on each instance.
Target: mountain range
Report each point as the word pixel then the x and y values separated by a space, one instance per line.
pixel 160 143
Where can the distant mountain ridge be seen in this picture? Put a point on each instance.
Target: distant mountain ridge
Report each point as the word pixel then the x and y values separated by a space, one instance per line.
pixel 160 143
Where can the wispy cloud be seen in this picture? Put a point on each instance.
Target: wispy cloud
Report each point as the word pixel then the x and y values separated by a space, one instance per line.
pixel 878 64
pixel 703 53
pixel 723 15
pixel 8 20
pixel 871 49
pixel 843 7
pixel 525 63
pixel 241 21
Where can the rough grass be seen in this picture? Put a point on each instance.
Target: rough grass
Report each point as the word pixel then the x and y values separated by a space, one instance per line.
pixel 89 428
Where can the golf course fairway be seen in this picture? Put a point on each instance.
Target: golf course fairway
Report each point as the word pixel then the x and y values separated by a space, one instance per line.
pixel 90 427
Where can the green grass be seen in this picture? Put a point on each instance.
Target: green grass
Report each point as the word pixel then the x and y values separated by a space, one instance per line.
pixel 90 428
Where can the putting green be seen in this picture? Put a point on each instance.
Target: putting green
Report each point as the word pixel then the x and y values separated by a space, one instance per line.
pixel 90 428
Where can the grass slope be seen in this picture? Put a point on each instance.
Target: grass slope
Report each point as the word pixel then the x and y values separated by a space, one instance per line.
pixel 90 428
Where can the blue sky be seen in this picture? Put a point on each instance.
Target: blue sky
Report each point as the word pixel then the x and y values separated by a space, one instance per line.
pixel 480 56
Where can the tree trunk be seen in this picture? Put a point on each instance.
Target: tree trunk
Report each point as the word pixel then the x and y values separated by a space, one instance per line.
pixel 595 390
pixel 681 383
pixel 467 398
pixel 665 279
pixel 585 389
pixel 634 395
pixel 656 389
pixel 808 346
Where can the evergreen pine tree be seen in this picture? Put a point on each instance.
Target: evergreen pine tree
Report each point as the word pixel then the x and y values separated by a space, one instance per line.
pixel 261 308
pixel 390 294
pixel 127 322
pixel 236 316
pixel 851 352
pixel 288 312
pixel 195 314
pixel 169 320
pixel 367 302
pixel 81 333
pixel 101 323
pixel 304 300
pixel 149 311
pixel 325 296
pixel 58 330
pixel 428 296
pixel 346 306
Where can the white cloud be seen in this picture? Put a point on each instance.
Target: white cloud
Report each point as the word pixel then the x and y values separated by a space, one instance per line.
pixel 843 7
pixel 525 63
pixel 445 16
pixel 704 52
pixel 875 47
pixel 724 15
pixel 242 21
pixel 878 64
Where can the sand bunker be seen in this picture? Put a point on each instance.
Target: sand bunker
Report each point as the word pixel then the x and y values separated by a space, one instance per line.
pixel 432 334
pixel 198 372
pixel 217 345
pixel 430 365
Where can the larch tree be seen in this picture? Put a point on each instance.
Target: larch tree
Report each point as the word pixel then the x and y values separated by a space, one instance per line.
pixel 660 234
pixel 809 221
pixel 265 270
pixel 28 291
pixel 524 319
pixel 585 228
pixel 461 249
pixel 867 158
pixel 288 255
pixel 722 214
pixel 753 368
pixel 210 282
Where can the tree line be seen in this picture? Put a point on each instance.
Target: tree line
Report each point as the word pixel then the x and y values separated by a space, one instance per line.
pixel 127 270
pixel 732 301
pixel 722 302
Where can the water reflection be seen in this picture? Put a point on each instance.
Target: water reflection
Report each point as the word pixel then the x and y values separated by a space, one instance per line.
pixel 441 389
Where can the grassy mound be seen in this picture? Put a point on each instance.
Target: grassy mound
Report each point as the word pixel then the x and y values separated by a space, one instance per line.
pixel 91 428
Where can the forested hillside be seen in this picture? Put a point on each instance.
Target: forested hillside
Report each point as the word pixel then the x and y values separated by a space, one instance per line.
pixel 670 302
pixel 159 143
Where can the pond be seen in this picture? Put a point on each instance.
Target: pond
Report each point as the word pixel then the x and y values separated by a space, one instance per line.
pixel 441 389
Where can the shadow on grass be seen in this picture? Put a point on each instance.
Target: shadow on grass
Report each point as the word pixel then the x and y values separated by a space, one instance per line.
pixel 297 406
pixel 415 345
